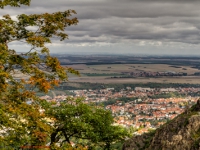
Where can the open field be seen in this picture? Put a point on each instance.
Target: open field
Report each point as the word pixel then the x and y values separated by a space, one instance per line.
pixel 190 80
pixel 103 73
pixel 119 68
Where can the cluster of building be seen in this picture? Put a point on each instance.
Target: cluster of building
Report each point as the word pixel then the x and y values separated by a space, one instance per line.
pixel 142 113
pixel 151 113
pixel 154 74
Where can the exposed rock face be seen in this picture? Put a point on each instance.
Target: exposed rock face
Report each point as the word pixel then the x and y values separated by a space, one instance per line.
pixel 181 133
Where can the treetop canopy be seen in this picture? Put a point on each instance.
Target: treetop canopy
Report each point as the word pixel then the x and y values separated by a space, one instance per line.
pixel 14 3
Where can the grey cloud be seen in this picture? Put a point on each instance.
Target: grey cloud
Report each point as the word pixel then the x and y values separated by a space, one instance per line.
pixel 150 29
pixel 115 21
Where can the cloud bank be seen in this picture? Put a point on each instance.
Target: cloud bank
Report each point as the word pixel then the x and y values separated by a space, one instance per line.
pixel 134 25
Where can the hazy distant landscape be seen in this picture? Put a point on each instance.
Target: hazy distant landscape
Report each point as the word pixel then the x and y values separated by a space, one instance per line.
pixel 130 69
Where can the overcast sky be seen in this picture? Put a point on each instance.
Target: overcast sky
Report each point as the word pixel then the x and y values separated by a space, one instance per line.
pixel 125 26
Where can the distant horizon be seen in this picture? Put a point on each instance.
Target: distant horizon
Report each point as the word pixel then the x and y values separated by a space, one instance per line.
pixel 124 54
pixel 118 53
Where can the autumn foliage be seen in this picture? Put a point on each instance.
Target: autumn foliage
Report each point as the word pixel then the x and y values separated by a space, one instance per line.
pixel 26 120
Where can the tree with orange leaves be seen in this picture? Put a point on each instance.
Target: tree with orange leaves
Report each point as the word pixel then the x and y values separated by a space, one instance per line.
pixel 22 124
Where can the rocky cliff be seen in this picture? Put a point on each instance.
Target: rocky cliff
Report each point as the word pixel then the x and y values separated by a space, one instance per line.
pixel 181 133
